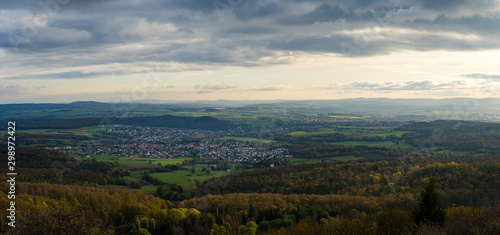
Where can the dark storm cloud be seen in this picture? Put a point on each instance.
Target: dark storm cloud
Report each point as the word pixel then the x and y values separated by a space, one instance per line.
pixel 237 32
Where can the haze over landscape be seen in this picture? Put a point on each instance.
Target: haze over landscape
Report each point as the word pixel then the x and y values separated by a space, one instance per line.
pixel 121 51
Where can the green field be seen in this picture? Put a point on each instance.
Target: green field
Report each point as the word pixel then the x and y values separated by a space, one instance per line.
pixel 104 158
pixel 303 160
pixel 137 175
pixel 40 131
pixel 248 139
pixel 80 131
pixel 149 189
pixel 299 133
pixel 294 161
pixel 351 131
pixel 177 160
pixel 186 178
pixel 387 144
pixel 346 158
pixel 86 130
pixel 139 161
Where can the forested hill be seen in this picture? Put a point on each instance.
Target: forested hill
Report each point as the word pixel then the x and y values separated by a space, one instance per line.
pixel 475 137
pixel 56 194
pixel 450 126
pixel 465 181
pixel 205 122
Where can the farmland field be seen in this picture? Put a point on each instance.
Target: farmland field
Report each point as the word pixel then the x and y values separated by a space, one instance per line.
pixel 387 144
pixel 139 161
pixel 303 160
pixel 186 178
pixel 351 131
pixel 294 161
pixel 249 139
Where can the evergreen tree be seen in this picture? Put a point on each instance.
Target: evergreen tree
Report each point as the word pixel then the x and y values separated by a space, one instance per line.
pixel 429 209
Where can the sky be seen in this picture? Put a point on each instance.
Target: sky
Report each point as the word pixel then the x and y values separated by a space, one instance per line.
pixel 134 50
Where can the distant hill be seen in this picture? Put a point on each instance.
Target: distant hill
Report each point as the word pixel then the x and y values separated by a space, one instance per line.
pixel 205 123
pixel 451 126
pixel 386 106
pixel 477 137
pixel 400 109
pixel 80 104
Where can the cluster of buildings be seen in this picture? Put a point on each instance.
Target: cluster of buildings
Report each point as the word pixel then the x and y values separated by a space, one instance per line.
pixel 230 150
pixel 147 134
pixel 148 142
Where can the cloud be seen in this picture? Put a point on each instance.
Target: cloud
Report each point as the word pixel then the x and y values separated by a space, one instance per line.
pixel 215 87
pixel 10 90
pixel 458 5
pixel 63 75
pixel 272 87
pixel 481 76
pixel 200 92
pixel 253 33
pixel 403 86
pixel 203 89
